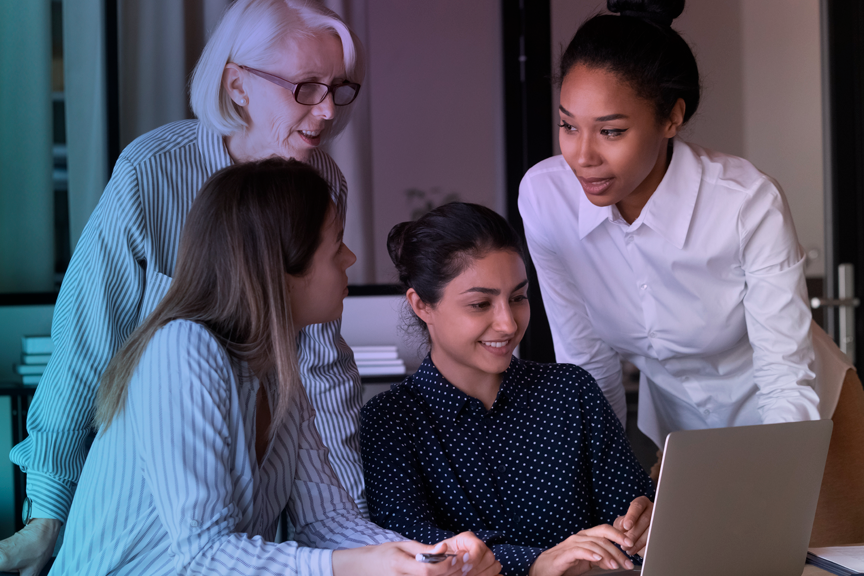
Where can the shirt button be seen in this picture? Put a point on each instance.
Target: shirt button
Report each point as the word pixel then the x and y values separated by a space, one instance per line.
pixel 629 240
pixel 502 468
pixel 652 335
pixel 193 523
pixel 706 412
pixel 643 287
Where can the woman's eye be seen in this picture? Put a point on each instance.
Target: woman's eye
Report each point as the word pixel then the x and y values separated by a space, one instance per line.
pixel 521 298
pixel 567 127
pixel 479 305
pixel 612 133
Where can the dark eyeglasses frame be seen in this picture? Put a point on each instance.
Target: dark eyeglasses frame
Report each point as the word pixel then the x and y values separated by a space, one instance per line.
pixel 295 88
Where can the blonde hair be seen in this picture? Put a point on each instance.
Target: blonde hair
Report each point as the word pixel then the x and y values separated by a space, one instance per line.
pixel 251 224
pixel 251 33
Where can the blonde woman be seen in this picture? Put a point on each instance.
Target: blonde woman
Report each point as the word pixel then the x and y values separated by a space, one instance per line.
pixel 205 430
pixel 276 78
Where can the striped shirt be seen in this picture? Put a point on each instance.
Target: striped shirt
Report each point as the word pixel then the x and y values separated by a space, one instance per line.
pixel 173 486
pixel 121 269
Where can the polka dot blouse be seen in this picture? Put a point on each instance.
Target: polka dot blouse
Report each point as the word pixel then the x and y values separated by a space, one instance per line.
pixel 548 460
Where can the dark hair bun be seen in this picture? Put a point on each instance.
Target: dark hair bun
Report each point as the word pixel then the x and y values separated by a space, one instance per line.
pixel 395 243
pixel 661 12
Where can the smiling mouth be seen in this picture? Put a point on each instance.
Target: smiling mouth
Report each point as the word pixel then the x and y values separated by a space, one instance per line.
pixel 495 344
pixel 311 137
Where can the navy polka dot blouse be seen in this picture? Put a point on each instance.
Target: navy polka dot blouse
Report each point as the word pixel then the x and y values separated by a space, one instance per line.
pixel 548 460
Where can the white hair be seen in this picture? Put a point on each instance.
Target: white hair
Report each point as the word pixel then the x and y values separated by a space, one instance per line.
pixel 251 33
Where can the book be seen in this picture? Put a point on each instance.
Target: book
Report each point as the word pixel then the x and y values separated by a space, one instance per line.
pixel 35 358
pixel 371 356
pixel 31 379
pixel 840 560
pixel 370 363
pixel 381 370
pixel 374 349
pixel 37 345
pixel 28 369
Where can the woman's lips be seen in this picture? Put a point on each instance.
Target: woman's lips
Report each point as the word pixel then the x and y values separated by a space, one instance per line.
pixel 310 138
pixel 496 348
pixel 595 186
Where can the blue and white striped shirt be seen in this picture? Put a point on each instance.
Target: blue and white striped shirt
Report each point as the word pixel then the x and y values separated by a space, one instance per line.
pixel 173 486
pixel 120 270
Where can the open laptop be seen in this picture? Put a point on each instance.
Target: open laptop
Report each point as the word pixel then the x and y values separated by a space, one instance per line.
pixel 736 501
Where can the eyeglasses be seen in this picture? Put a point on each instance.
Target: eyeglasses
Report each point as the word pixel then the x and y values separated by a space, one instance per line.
pixel 312 93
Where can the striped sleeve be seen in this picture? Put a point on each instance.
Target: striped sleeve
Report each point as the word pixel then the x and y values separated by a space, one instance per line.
pixel 331 378
pixel 96 311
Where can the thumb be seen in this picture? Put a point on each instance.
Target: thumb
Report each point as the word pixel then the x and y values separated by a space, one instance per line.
pixel 439 548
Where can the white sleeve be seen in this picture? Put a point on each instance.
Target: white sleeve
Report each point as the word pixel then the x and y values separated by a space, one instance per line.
pixel 180 404
pixel 776 311
pixel 574 338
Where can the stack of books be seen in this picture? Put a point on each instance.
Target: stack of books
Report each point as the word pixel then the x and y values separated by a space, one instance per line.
pixel 840 560
pixel 378 360
pixel 35 352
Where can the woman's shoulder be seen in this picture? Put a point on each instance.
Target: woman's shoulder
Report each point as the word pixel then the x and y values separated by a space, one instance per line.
pixel 541 375
pixel 731 172
pixel 162 140
pixel 186 345
pixel 391 402
pixel 328 169
pixel 551 171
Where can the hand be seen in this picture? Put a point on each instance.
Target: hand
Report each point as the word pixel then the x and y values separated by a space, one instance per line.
pixel 396 558
pixel 585 550
pixel 476 554
pixel 28 550
pixel 635 524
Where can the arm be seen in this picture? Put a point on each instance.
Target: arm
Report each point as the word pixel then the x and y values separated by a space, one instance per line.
pixel 332 381
pixel 397 493
pixel 184 416
pixel 575 340
pixel 776 310
pixel 96 310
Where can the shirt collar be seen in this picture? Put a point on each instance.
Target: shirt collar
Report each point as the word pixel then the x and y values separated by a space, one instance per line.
pixel 444 399
pixel 668 211
pixel 213 149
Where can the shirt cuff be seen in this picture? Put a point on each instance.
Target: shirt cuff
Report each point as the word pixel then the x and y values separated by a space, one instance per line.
pixel 314 561
pixel 50 498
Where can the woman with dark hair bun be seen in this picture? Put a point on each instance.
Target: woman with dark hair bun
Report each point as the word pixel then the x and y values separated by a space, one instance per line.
pixel 681 260
pixel 528 456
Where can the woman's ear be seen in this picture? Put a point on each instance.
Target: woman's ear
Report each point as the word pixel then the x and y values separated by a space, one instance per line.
pixel 676 119
pixel 421 308
pixel 232 83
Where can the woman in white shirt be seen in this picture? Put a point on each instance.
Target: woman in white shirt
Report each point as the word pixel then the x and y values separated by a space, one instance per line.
pixel 681 260
pixel 206 433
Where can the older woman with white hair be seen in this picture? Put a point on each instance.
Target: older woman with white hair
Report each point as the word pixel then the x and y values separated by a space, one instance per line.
pixel 275 79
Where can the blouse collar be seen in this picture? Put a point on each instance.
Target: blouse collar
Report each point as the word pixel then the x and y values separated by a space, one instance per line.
pixel 669 211
pixel 445 400
pixel 213 149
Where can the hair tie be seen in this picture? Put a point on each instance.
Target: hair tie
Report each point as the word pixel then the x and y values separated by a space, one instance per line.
pixel 656 18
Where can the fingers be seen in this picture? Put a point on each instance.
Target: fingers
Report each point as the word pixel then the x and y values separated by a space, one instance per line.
pixel 637 508
pixel 598 552
pixel 29 549
pixel 639 534
pixel 595 540
pixel 610 533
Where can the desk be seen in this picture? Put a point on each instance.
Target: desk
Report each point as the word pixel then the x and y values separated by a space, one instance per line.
pixel 809 570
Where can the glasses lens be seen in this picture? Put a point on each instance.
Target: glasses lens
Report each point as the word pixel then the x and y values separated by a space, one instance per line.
pixel 344 94
pixel 310 93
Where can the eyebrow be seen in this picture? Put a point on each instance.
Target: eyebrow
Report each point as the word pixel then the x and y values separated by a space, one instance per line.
pixel 495 291
pixel 606 118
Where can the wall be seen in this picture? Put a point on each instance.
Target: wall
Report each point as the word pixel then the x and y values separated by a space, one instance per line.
pixel 761 74
pixel 436 108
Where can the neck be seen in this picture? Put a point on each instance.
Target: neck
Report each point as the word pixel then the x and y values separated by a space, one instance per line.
pixel 631 207
pixel 240 147
pixel 473 382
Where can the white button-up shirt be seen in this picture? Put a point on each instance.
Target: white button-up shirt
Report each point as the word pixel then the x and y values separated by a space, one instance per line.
pixel 704 293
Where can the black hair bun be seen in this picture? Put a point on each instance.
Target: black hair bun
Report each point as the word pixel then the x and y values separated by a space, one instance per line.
pixel 395 243
pixel 661 12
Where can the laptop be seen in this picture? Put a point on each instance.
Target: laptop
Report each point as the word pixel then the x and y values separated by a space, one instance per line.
pixel 736 501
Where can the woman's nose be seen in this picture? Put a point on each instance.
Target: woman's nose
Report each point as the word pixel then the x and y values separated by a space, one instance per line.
pixel 326 108
pixel 350 259
pixel 587 154
pixel 504 320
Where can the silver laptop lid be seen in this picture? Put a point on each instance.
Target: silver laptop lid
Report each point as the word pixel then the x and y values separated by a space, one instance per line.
pixel 737 500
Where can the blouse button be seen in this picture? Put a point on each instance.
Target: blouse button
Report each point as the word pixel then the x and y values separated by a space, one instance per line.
pixel 652 335
pixel 706 412
pixel 502 468
pixel 629 240
pixel 193 523
pixel 644 286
